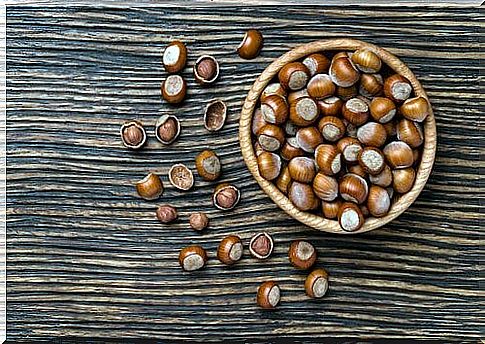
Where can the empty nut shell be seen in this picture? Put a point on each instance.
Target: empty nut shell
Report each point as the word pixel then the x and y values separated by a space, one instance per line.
pixel 181 177
pixel 397 88
pixel 316 284
pixel 372 160
pixel 251 45
pixel 378 201
pixel 294 76
pixel 230 250
pixel 198 221
pixel 332 128
pixel 356 111
pixel 302 196
pixel 167 129
pixel 261 245
pixel 372 134
pixel 192 258
pixel 174 57
pixel 410 132
pixel 166 213
pixel 271 137
pixel 150 187
pixel 325 187
pixel 415 109
pixel 398 154
pixel 208 165
pixel 133 135
pixel 269 295
pixel 215 115
pixel 308 138
pixel 353 188
pixel 403 179
pixel 274 109
pixel 366 60
pixel 343 72
pixel 316 63
pixel 382 109
pixel 226 196
pixel 320 86
pixel 302 254
pixel 174 89
pixel 303 111
pixel 206 70
pixel 328 159
pixel 331 106
pixel 350 217
pixel 269 165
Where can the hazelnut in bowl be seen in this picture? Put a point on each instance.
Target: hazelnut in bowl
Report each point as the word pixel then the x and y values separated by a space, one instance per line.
pixel 340 134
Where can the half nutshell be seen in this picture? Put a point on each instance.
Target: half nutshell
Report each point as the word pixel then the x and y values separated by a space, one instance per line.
pixel 261 245
pixel 215 115
pixel 167 129
pixel 206 70
pixel 150 187
pixel 181 177
pixel 226 196
pixel 133 135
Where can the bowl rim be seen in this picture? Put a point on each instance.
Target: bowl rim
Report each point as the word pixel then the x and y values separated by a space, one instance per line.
pixel 318 222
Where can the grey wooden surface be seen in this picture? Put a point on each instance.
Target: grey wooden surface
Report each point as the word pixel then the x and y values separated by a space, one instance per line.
pixel 88 259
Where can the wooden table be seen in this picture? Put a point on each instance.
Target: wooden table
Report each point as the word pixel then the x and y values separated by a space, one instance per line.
pixel 87 258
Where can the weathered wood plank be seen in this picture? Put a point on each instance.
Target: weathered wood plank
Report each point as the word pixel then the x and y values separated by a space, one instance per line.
pixel 88 258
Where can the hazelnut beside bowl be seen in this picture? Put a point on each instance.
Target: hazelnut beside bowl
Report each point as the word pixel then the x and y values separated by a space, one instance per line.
pixel 345 71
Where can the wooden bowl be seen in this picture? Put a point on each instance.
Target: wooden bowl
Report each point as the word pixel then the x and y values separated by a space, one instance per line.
pixel 312 220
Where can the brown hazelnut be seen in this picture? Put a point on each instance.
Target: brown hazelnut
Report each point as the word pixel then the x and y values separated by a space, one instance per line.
pixel 397 88
pixel 302 254
pixel 371 85
pixel 269 295
pixel 302 169
pixel 332 128
pixel 372 160
pixel 303 111
pixel 273 88
pixel 295 95
pixel 316 63
pixel 150 187
pixel 274 109
pixel 133 135
pixel 372 134
pixel 330 209
pixel 320 86
pixel 384 178
pixel 294 76
pixel 226 196
pixel 251 45
pixel 174 89
pixel 328 159
pixel 174 57
pixel 198 221
pixel 291 149
pixel 353 188
pixel 350 149
pixel 316 284
pixel 378 201
pixel 366 60
pixel 284 180
pixel 356 111
pixel 302 196
pixel 346 93
pixel 343 72
pixel 261 245
pixel 325 187
pixel 358 170
pixel 230 250
pixel 166 213
pixel 350 217
pixel 403 179
pixel 410 132
pixel 208 165
pixel 167 129
pixel 398 154
pixel 382 109
pixel 308 138
pixel 181 177
pixel 331 106
pixel 192 258
pixel 257 122
pixel 206 69
pixel 271 137
pixel 415 109
pixel 215 115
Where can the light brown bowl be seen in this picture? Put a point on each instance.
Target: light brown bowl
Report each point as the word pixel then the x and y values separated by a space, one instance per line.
pixel 312 220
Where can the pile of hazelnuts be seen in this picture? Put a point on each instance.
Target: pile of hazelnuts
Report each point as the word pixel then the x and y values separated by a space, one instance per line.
pixel 340 135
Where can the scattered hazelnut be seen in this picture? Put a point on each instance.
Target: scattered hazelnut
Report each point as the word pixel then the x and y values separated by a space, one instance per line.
pixel 251 45
pixel 133 134
pixel 269 295
pixel 192 258
pixel 208 165
pixel 302 254
pixel 174 89
pixel 230 250
pixel 150 187
pixel 215 115
pixel 181 177
pixel 316 284
pixel 225 196
pixel 167 129
pixel 174 57
pixel 166 213
pixel 261 245
pixel 206 69
pixel 198 221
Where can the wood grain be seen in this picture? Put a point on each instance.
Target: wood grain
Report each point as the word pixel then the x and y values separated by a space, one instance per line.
pixel 87 258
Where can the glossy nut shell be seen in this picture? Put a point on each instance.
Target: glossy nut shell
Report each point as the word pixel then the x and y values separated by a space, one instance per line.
pixel 302 254
pixel 251 45
pixel 150 187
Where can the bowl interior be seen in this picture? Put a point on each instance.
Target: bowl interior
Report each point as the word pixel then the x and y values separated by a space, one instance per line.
pixel 312 220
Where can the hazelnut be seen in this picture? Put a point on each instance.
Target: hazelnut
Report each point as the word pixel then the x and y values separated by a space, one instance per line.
pixel 206 70
pixel 225 196
pixel 230 250
pixel 415 109
pixel 167 129
pixel 331 106
pixel 372 134
pixel 295 95
pixel 274 88
pixel 320 86
pixel 325 187
pixel 398 154
pixel 294 76
pixel 353 188
pixel 332 128
pixel 174 89
pixel 174 57
pixel 303 111
pixel 308 138
pixel 291 149
pixel 410 132
pixel 358 170
pixel 271 137
pixel 258 121
pixel 346 93
pixel 330 209
pixel 274 109
pixel 166 213
pixel 366 60
pixel 208 165
pixel 356 111
pixel 181 177
pixel 316 63
pixel 261 245
pixel 133 134
pixel 328 159
pixel 397 88
pixel 384 178
pixel 372 160
pixel 269 295
pixel 382 109
pixel 343 72
pixel 350 217
pixel 215 115
pixel 150 187
pixel 284 180
pixel 302 196
pixel 302 169
pixel 316 284
pixel 269 165
pixel 403 179
pixel 378 201
pixel 192 258
pixel 251 45
pixel 350 148
pixel 302 254
pixel 370 85
pixel 198 221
